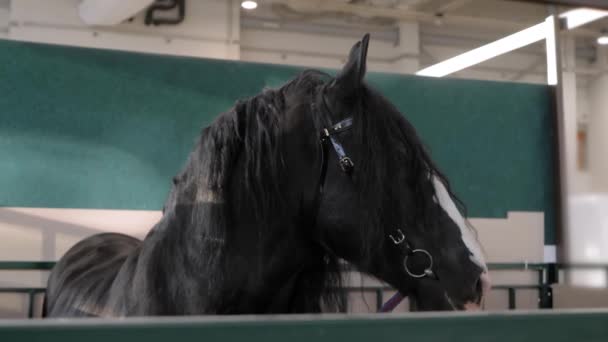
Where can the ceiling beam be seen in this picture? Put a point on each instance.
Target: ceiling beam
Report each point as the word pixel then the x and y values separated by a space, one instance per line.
pixel 529 69
pixel 601 4
pixel 453 5
pixel 417 3
pixel 322 6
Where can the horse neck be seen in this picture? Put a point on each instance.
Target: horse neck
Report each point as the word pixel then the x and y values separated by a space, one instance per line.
pixel 239 266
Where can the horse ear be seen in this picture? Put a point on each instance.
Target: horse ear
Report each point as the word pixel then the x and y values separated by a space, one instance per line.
pixel 350 78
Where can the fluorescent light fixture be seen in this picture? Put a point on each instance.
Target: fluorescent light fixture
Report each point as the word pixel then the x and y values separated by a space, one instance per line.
pixel 249 5
pixel 536 33
pixel 582 16
pixel 551 51
pixel 515 41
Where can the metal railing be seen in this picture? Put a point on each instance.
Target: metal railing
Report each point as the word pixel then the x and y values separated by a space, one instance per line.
pixel 548 274
pixel 539 326
pixel 31 292
pixel 545 278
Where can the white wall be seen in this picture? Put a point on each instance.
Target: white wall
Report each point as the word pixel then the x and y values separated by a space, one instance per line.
pixel 588 223
pixel 4 20
pixel 598 131
pixel 581 181
pixel 210 29
pixel 308 49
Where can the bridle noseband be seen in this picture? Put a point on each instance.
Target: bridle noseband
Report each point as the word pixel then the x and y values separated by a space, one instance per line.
pixel 330 136
pixel 410 252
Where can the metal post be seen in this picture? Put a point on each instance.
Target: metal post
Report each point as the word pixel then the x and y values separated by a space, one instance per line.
pixel 378 299
pixel 30 307
pixel 512 304
pixel 541 287
pixel 549 276
pixel 560 157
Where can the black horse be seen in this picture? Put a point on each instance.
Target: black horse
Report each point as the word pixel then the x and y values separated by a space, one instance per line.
pixel 277 194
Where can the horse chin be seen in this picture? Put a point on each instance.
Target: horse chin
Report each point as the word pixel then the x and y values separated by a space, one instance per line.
pixel 472 306
pixel 439 300
pixel 443 303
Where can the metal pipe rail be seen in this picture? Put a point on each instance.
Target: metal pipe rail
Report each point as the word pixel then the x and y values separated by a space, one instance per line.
pixel 547 275
pixel 543 286
pixel 554 326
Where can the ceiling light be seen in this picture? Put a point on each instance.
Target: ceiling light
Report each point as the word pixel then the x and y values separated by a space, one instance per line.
pixel 515 41
pixel 536 33
pixel 249 5
pixel 582 16
pixel 552 69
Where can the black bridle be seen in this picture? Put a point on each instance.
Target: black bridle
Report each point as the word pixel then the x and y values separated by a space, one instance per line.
pixel 329 136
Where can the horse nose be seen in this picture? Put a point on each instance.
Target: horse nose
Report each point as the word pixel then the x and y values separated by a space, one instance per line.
pixel 483 285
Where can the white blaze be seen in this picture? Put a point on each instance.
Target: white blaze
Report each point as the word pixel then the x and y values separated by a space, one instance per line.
pixel 469 239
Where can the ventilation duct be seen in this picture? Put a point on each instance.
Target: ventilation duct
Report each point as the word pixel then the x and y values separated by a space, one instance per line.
pixel 110 12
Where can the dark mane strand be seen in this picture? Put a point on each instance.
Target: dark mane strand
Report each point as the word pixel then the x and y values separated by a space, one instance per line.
pixel 374 134
pixel 248 137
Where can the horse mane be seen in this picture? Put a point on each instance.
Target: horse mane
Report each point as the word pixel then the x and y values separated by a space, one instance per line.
pixel 247 137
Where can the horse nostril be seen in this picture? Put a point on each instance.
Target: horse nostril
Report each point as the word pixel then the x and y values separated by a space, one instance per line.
pixel 479 287
pixel 479 290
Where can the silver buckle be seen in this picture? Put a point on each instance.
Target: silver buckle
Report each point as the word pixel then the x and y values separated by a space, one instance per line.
pixel 399 239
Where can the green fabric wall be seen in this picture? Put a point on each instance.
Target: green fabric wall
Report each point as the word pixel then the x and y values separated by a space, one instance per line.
pixel 85 128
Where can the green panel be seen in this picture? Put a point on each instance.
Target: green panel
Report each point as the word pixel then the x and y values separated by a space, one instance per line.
pixel 26 265
pixel 85 128
pixel 554 327
pixel 494 140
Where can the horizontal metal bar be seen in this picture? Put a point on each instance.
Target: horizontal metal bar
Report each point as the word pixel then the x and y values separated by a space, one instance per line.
pixel 491 266
pixel 519 287
pixel 22 289
pixel 495 287
pixel 350 289
pixel 26 265
pixel 580 266
pixel 574 3
pixel 516 266
pixel 555 326
pixel 47 265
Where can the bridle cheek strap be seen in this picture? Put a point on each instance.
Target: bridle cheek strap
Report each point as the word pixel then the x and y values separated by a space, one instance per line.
pixel 327 137
pixel 346 164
